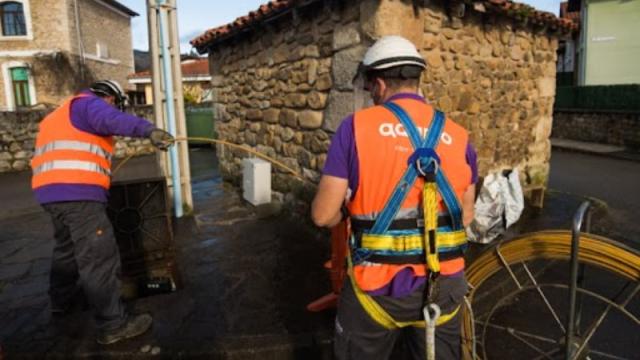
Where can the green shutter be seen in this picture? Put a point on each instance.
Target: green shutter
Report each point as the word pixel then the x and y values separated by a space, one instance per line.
pixel 19 74
pixel 20 80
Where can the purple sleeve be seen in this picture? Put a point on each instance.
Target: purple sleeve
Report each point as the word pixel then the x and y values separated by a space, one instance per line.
pixel 94 115
pixel 472 160
pixel 342 158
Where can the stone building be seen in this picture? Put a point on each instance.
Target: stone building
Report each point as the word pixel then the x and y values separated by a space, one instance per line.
pixel 51 48
pixel 282 78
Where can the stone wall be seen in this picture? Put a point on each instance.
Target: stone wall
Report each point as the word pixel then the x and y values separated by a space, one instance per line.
pixel 270 92
pixel 283 90
pixel 606 127
pixel 497 78
pixel 19 129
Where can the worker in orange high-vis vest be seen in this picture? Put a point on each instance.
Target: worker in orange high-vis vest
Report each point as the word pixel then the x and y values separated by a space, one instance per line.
pixel 405 174
pixel 71 178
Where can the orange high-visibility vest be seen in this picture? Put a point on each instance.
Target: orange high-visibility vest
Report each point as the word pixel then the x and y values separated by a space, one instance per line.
pixel 67 155
pixel 383 150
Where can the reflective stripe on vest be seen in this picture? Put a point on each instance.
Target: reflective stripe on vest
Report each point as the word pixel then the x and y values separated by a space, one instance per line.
pixel 65 154
pixel 71 165
pixel 73 145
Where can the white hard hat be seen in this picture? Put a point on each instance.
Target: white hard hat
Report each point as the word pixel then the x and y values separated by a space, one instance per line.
pixel 110 88
pixel 391 51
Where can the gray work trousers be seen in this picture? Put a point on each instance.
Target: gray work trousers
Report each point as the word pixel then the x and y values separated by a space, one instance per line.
pixel 86 254
pixel 358 336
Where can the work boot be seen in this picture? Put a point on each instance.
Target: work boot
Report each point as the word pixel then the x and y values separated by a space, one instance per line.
pixel 136 325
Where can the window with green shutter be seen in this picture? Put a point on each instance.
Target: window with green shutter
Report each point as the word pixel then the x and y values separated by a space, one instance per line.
pixel 20 85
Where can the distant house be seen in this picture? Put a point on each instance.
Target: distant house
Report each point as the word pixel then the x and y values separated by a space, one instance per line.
pixel 607 48
pixel 49 49
pixel 196 81
pixel 566 64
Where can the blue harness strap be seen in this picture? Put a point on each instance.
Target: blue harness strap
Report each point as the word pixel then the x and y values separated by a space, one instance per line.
pixel 401 190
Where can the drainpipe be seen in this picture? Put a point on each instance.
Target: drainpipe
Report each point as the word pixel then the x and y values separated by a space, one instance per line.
pixel 582 70
pixel 80 43
pixel 170 107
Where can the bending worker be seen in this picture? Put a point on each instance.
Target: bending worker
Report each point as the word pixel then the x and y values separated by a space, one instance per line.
pixel 71 179
pixel 407 174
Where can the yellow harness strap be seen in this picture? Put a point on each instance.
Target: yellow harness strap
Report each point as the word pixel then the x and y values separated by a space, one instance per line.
pixel 411 242
pixel 379 315
pixel 430 211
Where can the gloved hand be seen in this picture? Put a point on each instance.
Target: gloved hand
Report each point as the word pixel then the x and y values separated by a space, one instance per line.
pixel 161 139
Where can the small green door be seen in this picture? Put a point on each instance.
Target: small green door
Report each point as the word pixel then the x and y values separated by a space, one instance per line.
pixel 200 123
pixel 20 84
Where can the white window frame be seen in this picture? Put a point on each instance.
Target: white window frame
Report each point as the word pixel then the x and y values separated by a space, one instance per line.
pixel 8 88
pixel 27 21
pixel 100 46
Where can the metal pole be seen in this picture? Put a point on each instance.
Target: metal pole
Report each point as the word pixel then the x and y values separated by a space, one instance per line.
pixel 170 108
pixel 575 245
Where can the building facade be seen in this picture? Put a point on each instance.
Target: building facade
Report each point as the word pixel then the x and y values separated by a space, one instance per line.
pixel 49 49
pixel 609 46
pixel 196 82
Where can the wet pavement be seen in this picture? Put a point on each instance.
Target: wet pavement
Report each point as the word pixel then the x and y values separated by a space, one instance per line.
pixel 611 180
pixel 247 274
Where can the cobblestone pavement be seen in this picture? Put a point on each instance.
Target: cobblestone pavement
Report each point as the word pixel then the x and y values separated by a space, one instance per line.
pixel 248 274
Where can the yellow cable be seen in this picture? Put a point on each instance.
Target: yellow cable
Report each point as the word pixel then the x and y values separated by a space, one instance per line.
pixel 551 245
pixel 225 143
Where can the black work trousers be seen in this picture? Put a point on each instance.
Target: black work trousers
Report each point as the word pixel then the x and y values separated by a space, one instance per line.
pixel 358 336
pixel 86 255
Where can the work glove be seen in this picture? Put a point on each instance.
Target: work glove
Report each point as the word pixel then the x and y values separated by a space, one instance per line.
pixel 161 139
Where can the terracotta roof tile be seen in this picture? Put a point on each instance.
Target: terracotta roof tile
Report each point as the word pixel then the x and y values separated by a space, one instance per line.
pixel 506 7
pixel 574 16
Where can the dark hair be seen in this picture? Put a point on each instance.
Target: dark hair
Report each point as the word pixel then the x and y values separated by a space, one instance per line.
pixel 398 76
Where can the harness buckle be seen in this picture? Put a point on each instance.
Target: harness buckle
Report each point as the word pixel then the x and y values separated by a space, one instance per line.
pixel 432 287
pixel 432 161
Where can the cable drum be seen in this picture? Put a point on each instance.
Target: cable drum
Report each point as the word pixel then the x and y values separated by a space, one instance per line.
pixel 519 292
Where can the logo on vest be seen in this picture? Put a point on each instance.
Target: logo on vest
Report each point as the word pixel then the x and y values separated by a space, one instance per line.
pixel 395 130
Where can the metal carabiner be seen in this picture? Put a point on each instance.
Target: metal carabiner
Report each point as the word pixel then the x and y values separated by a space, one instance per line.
pixel 436 166
pixel 430 329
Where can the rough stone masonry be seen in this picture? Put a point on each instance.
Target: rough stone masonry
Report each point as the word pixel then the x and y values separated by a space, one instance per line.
pixel 18 130
pixel 284 88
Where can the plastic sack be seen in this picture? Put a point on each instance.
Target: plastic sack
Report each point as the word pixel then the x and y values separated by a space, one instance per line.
pixel 498 206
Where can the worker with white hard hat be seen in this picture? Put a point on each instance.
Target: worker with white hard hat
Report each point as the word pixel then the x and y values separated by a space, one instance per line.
pixel 405 175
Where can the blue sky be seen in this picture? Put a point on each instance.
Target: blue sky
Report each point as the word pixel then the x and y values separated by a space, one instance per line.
pixel 196 16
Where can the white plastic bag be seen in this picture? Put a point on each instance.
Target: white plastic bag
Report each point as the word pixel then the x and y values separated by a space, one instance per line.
pixel 498 206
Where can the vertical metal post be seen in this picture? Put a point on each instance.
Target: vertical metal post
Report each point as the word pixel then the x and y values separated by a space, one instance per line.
pixel 170 109
pixel 575 246
pixel 168 103
pixel 582 278
pixel 181 122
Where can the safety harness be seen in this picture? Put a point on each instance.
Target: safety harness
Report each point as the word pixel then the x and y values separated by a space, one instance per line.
pixel 408 241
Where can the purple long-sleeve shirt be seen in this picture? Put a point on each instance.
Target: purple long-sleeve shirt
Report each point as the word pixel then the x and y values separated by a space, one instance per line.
pixel 93 115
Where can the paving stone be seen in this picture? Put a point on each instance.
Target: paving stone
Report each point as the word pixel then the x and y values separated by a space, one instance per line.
pixel 9 272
